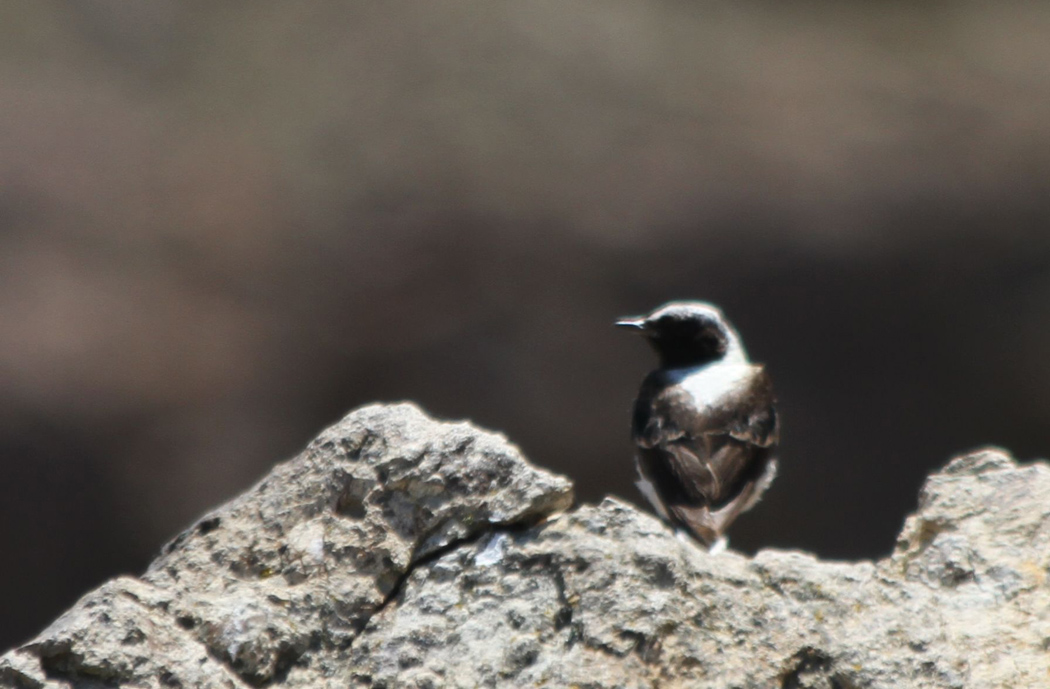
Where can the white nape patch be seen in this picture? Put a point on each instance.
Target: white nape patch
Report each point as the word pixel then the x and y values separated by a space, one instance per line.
pixel 710 383
pixel 649 491
pixel 493 551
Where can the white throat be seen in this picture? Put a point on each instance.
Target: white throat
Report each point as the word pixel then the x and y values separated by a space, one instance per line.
pixel 735 353
pixel 709 383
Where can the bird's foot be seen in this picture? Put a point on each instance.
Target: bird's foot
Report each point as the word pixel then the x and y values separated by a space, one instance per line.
pixel 685 536
pixel 718 546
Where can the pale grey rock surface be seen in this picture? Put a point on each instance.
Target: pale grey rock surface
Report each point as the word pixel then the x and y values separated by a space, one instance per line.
pixel 289 572
pixel 398 551
pixel 607 597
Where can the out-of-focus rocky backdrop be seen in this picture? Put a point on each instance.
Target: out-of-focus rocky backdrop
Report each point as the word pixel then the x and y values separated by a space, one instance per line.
pixel 222 225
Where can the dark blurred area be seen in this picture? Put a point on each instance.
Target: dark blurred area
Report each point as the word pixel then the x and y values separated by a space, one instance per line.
pixel 223 225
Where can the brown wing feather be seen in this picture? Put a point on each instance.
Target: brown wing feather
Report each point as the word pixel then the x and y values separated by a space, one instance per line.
pixel 707 468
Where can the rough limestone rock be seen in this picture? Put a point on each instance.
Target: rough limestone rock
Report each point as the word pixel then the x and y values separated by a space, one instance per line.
pixel 397 551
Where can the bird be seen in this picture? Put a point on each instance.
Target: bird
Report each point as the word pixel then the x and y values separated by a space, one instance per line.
pixel 705 422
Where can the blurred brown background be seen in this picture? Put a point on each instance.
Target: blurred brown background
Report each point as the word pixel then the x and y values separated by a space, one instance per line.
pixel 223 225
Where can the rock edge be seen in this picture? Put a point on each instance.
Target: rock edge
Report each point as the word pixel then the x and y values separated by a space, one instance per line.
pixel 401 551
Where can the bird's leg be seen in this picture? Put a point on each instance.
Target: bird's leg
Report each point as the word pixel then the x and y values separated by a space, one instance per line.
pixel 714 548
pixel 718 546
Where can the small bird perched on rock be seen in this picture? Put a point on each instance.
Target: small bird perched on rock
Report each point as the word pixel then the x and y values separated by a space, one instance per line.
pixel 705 421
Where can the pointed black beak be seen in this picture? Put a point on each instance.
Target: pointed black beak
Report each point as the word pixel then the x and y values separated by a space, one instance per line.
pixel 632 323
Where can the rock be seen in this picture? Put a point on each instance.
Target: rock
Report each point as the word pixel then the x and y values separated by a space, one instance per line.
pixel 291 571
pixel 607 597
pixel 397 551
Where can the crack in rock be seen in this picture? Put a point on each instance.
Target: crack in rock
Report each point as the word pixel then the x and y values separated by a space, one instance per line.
pixel 605 596
pixel 287 574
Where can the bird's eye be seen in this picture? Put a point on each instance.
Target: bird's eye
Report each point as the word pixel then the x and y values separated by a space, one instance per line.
pixel 710 340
